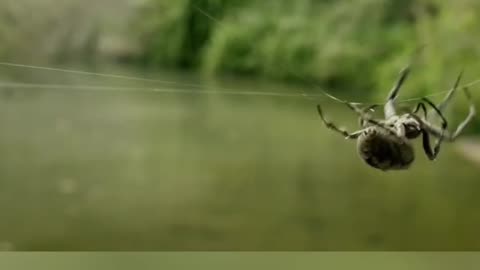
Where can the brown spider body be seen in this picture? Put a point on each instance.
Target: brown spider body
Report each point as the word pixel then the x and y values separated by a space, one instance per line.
pixel 383 150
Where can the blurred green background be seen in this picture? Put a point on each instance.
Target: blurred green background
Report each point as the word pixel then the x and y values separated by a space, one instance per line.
pixel 134 169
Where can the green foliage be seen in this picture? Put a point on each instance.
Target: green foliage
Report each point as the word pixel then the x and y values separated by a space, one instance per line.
pixel 237 50
pixel 175 34
pixel 322 41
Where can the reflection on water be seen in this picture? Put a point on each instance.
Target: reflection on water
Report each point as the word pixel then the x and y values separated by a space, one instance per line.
pixel 86 170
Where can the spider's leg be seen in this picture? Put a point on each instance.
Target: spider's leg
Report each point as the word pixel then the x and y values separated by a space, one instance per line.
pixel 450 93
pixel 431 154
pixel 441 133
pixel 471 114
pixel 427 129
pixel 355 134
pixel 437 110
pixel 422 106
pixel 398 84
pixel 365 110
pixel 333 127
pixel 368 119
pixel 432 129
pixel 390 106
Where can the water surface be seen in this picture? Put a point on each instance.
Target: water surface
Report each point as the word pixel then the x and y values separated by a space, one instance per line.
pixel 120 170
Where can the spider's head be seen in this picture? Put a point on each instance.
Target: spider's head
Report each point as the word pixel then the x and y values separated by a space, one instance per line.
pixel 412 127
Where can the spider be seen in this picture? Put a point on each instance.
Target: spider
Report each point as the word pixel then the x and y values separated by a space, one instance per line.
pixel 386 144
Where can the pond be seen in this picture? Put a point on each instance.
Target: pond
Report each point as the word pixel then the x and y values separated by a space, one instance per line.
pixel 84 169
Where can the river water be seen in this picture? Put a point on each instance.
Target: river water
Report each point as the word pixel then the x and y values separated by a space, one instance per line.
pixel 84 169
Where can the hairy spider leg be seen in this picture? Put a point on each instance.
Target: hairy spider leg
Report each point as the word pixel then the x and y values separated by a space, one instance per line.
pixel 445 102
pixel 422 106
pixel 437 132
pixel 365 110
pixel 437 110
pixel 368 119
pixel 431 153
pixel 333 127
pixel 450 93
pixel 390 106
pixel 471 114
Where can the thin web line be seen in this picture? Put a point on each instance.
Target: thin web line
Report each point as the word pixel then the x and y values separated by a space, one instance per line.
pixel 67 87
pixel 207 15
pixel 104 75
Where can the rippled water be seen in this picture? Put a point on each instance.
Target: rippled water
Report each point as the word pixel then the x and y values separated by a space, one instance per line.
pixel 93 170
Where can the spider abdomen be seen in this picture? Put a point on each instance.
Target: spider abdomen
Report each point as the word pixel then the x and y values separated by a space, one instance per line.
pixel 385 151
